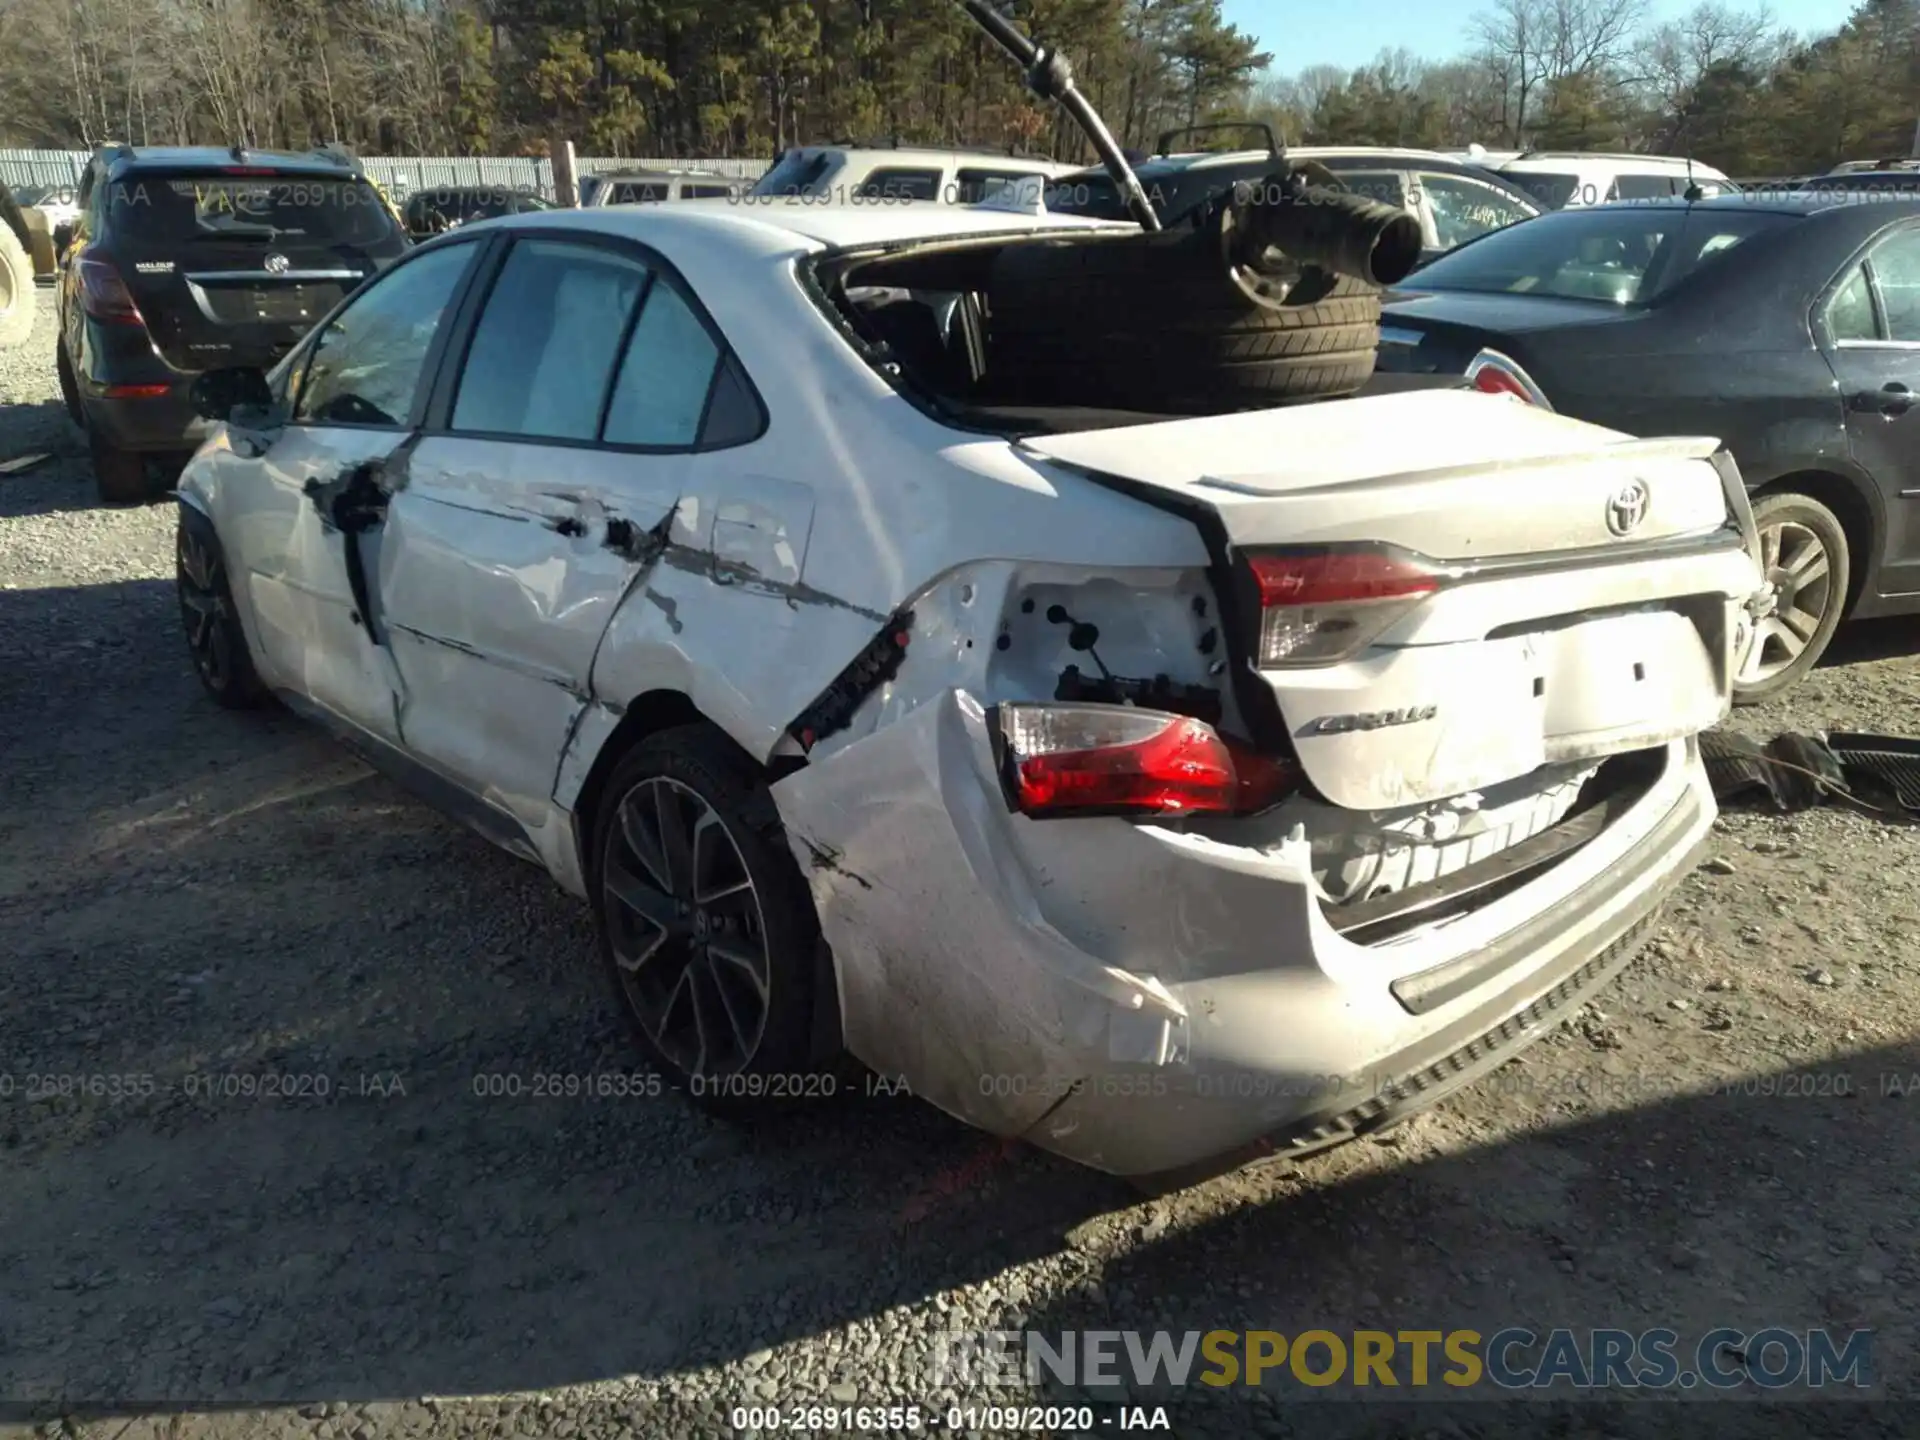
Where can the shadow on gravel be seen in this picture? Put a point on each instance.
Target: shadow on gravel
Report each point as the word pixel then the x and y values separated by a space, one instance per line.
pixel 1867 641
pixel 311 1096
pixel 61 483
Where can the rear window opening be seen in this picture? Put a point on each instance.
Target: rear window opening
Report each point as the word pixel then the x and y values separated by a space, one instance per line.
pixel 271 209
pixel 927 317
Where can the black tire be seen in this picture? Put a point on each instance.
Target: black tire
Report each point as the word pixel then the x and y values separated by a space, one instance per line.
pixel 119 476
pixel 1168 323
pixel 17 299
pixel 1805 553
pixel 69 391
pixel 215 638
pixel 697 968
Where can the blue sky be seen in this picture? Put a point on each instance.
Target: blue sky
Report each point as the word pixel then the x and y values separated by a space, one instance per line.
pixel 1351 32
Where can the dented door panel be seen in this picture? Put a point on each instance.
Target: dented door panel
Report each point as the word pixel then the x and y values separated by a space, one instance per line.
pixel 294 571
pixel 501 565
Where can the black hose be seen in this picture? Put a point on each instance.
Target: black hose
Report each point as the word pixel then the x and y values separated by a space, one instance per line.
pixel 1339 231
pixel 1051 78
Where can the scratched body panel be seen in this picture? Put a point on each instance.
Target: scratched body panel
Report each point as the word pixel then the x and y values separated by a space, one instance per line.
pixel 496 584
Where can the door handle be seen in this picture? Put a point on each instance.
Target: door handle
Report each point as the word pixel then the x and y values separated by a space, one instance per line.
pixel 1892 399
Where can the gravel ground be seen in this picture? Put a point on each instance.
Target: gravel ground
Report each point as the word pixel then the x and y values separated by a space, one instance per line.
pixel 185 893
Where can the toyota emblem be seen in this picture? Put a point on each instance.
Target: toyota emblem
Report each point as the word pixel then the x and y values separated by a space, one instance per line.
pixel 275 264
pixel 1628 507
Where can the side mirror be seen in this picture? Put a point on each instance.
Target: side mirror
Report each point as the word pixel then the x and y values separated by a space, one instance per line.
pixel 227 394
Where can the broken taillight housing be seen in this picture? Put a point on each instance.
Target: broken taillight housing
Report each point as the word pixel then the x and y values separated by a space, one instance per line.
pixel 1492 373
pixel 1326 604
pixel 104 295
pixel 1083 760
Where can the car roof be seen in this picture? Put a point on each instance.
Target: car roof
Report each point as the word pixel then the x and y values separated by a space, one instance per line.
pixel 927 154
pixel 1782 202
pixel 129 160
pixel 1539 160
pixel 656 175
pixel 804 226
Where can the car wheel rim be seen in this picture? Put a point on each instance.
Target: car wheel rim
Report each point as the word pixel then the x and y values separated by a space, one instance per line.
pixel 203 610
pixel 688 935
pixel 1800 570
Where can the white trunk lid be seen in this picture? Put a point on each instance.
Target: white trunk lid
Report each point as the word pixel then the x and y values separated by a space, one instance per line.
pixel 1558 638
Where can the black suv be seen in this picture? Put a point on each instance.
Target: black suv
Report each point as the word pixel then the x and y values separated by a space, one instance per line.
pixel 186 260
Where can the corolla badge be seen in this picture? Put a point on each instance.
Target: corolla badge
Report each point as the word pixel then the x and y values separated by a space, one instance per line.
pixel 1628 507
pixel 275 264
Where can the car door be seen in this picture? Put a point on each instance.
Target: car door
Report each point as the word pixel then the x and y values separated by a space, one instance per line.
pixel 1460 209
pixel 1869 326
pixel 357 389
pixel 529 505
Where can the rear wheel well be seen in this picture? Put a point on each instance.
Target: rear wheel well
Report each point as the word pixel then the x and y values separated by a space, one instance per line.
pixel 651 713
pixel 1849 507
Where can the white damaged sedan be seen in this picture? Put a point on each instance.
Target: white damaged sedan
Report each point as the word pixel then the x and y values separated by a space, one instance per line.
pixel 1159 788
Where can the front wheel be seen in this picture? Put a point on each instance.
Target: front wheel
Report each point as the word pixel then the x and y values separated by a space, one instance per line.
pixel 214 637
pixel 1803 550
pixel 706 926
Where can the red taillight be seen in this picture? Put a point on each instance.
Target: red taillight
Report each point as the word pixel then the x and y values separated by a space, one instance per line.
pixel 104 295
pixel 1492 373
pixel 1118 760
pixel 137 392
pixel 1324 605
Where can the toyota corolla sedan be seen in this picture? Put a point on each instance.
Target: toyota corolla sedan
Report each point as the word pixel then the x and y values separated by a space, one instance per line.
pixel 1153 787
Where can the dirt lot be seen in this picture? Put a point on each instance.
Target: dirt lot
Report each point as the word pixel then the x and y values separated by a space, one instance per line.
pixel 187 893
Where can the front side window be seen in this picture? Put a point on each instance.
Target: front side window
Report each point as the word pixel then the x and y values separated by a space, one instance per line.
pixel 547 342
pixel 366 367
pixel 1553 191
pixel 1465 209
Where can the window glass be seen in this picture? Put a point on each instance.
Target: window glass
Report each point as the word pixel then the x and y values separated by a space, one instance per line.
pixel 276 209
pixel 1644 187
pixel 975 185
pixel 366 368
pixel 1896 270
pixel 661 394
pixel 1553 191
pixel 901 185
pixel 1464 209
pixel 795 173
pixel 633 192
pixel 1389 187
pixel 1850 312
pixel 705 192
pixel 1621 254
pixel 547 342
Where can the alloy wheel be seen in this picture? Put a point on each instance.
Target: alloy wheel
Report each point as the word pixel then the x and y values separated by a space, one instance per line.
pixel 688 933
pixel 1801 573
pixel 204 611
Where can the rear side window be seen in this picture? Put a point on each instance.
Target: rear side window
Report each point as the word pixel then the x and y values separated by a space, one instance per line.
pixel 633 192
pixel 706 192
pixel 897 184
pixel 366 367
pixel 547 342
pixel 795 173
pixel 1644 187
pixel 1465 209
pixel 164 210
pixel 1553 191
pixel 975 185
pixel 1850 312
pixel 1389 187
pixel 1896 271
pixel 661 395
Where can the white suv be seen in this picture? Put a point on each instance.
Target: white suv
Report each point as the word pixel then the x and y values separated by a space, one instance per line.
pixel 849 173
pixel 1149 787
pixel 1559 180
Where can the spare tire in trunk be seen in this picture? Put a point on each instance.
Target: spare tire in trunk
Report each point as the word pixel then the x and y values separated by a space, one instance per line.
pixel 1202 319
